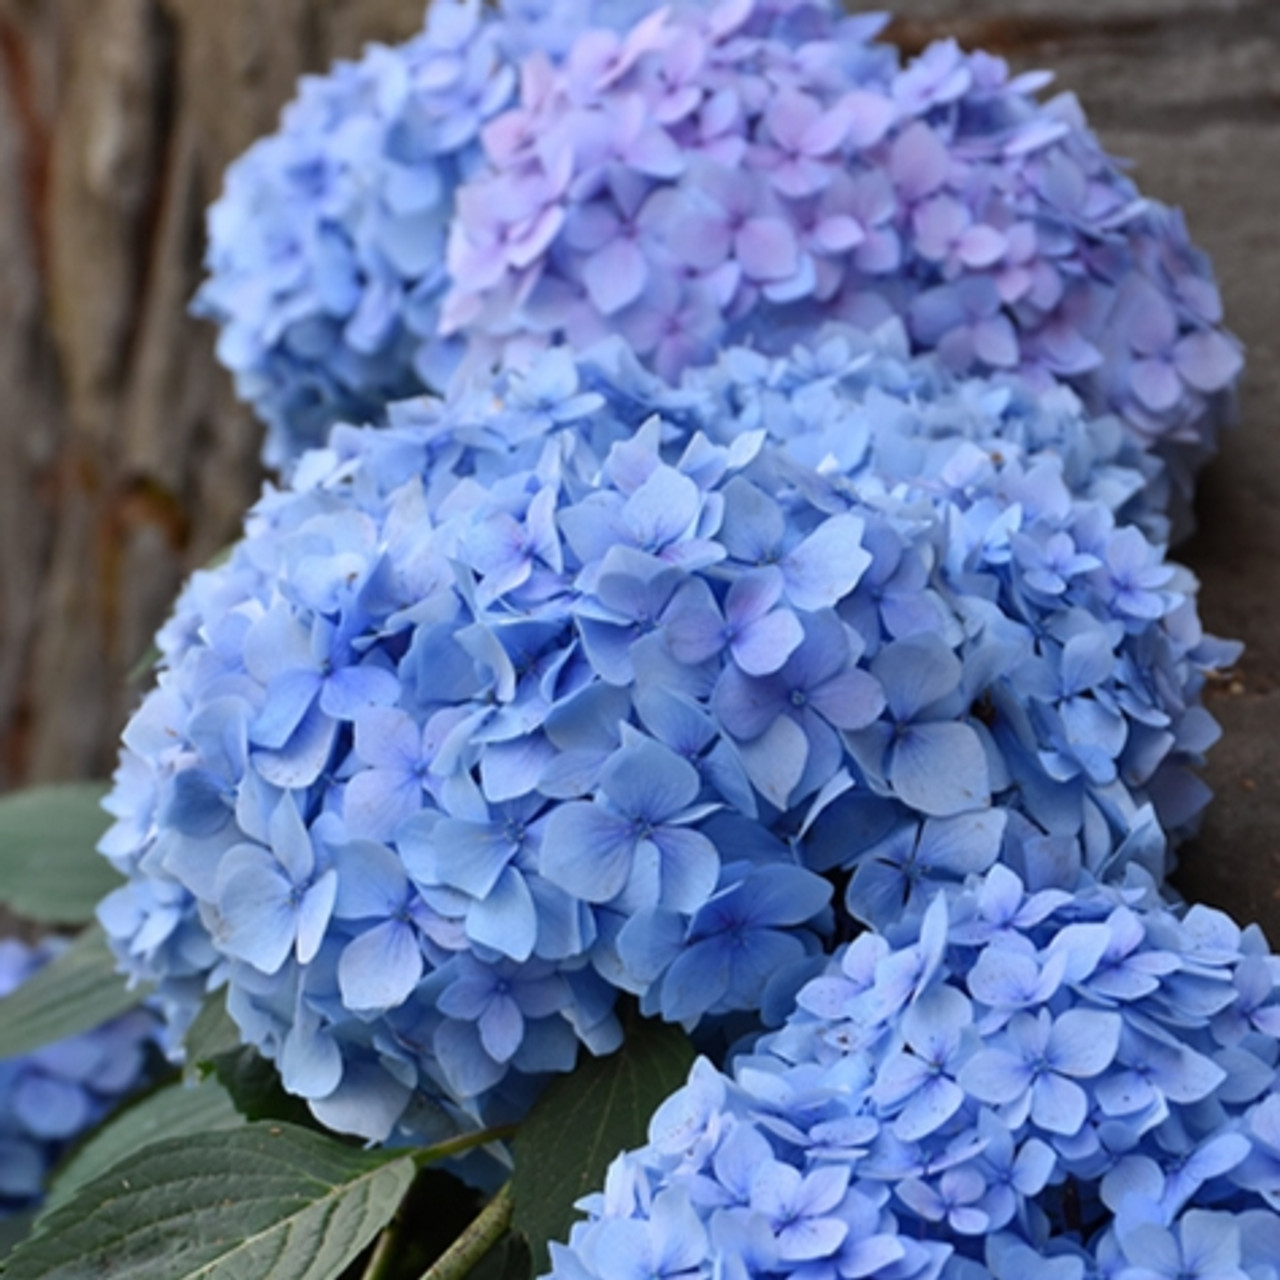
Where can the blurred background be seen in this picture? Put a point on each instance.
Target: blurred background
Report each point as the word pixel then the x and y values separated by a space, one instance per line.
pixel 125 461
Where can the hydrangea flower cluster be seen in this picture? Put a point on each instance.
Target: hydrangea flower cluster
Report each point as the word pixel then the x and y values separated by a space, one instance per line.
pixel 326 249
pixel 54 1095
pixel 580 684
pixel 1008 1083
pixel 744 172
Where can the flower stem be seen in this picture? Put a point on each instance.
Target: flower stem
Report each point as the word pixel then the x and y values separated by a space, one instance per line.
pixel 383 1252
pixel 463 1142
pixel 479 1237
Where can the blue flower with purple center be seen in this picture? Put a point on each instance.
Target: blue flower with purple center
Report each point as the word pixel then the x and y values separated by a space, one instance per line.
pixel 585 684
pixel 803 174
pixel 927 1128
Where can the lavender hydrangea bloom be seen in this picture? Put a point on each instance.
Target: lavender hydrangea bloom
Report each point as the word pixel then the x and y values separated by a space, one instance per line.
pixel 50 1098
pixel 748 171
pixel 579 683
pixel 326 251
pixel 925 1113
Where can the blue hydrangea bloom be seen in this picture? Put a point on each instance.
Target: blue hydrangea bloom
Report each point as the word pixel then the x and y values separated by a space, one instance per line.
pixel 578 683
pixel 326 248
pixel 1003 1083
pixel 52 1097
pixel 744 171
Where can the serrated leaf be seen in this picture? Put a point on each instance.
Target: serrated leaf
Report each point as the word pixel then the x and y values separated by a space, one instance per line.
pixel 50 871
pixel 266 1202
pixel 583 1121
pixel 172 1112
pixel 212 1034
pixel 76 991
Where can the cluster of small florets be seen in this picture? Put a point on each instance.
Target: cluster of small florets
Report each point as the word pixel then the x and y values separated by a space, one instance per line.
pixel 327 246
pixel 53 1096
pixel 741 174
pixel 539 694
pixel 691 180
pixel 1006 1084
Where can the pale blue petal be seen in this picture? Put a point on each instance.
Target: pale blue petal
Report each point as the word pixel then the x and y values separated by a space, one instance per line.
pixel 940 769
pixel 380 968
pixel 588 851
pixel 505 919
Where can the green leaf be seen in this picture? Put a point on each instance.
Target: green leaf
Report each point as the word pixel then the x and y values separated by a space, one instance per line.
pixel 266 1202
pixel 583 1121
pixel 174 1111
pixel 212 1034
pixel 50 871
pixel 144 666
pixel 14 1230
pixel 255 1088
pixel 507 1260
pixel 75 992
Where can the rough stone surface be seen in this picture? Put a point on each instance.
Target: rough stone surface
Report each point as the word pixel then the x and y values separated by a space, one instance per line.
pixel 124 461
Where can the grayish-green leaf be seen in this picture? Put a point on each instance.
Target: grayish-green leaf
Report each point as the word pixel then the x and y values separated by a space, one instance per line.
pixel 50 871
pixel 14 1230
pixel 74 992
pixel 265 1202
pixel 583 1121
pixel 172 1112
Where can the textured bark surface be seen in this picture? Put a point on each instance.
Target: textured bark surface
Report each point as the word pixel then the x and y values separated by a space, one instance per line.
pixel 124 460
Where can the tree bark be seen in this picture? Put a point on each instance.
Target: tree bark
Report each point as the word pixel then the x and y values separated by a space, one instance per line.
pixel 124 459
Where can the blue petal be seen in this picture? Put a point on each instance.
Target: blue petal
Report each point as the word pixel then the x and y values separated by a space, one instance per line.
pixel 505 919
pixel 258 919
pixel 915 673
pixel 310 1060
pixel 371 881
pixel 470 855
pixel 501 1028
pixel 303 758
pixel 827 565
pixel 690 868
pixel 1058 1104
pixel 1083 1042
pixel 379 969
pixel 377 801
pixel 314 912
pixel 940 769
pixel 367 1103
pixel 289 697
pixel 588 851
pixel 775 761
pixel 650 782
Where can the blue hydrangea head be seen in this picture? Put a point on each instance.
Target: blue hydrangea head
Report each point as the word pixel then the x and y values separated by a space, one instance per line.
pixel 744 172
pixel 54 1096
pixel 1006 1083
pixel 326 248
pixel 579 684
